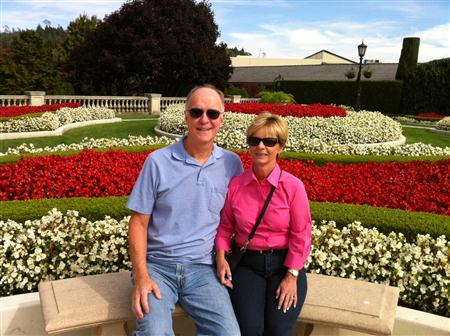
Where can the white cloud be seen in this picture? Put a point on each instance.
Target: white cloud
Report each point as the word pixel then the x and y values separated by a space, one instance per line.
pixel 437 35
pixel 30 13
pixel 302 39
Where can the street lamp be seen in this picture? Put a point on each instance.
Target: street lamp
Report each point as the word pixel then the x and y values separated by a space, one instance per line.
pixel 361 52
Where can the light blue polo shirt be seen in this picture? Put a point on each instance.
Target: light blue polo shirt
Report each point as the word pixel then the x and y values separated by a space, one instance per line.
pixel 184 200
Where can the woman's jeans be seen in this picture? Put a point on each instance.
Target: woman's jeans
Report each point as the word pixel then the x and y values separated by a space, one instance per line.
pixel 202 296
pixel 255 282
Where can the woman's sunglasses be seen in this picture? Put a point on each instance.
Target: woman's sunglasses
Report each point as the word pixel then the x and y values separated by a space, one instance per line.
pixel 268 142
pixel 196 113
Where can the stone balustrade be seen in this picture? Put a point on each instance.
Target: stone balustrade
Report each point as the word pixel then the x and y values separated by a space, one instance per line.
pixel 124 104
pixel 14 100
pixel 151 103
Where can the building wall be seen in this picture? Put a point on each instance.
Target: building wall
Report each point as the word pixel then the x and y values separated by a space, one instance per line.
pixel 246 61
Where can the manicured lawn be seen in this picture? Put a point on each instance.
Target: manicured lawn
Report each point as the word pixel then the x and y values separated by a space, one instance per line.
pixel 118 130
pixel 426 136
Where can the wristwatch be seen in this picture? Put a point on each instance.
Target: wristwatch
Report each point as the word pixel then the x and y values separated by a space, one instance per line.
pixel 294 272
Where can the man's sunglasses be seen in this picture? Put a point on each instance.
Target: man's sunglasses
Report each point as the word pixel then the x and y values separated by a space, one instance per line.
pixel 268 142
pixel 196 113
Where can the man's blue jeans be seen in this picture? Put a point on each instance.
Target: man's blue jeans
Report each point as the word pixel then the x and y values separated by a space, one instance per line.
pixel 197 289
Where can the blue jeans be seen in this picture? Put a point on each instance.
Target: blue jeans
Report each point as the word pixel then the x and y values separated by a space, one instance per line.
pixel 197 289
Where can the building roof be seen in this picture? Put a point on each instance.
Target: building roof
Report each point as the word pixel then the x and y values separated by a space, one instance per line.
pixel 324 52
pixel 267 74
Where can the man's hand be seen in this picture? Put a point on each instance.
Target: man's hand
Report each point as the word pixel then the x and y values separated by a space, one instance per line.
pixel 223 269
pixel 139 298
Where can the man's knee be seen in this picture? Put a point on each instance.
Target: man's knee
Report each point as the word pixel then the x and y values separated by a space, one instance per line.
pixel 158 321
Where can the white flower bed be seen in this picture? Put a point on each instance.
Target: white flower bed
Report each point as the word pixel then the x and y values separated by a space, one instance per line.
pixel 357 128
pixel 444 124
pixel 50 121
pixel 315 135
pixel 416 149
pixel 60 246
pixel 407 120
pixel 420 269
pixel 89 143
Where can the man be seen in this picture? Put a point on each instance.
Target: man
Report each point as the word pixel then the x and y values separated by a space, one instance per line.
pixel 176 204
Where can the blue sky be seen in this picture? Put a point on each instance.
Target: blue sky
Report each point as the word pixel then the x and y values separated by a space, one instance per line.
pixel 288 28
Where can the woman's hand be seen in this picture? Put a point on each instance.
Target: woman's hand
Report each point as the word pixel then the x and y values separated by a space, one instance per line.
pixel 223 269
pixel 286 293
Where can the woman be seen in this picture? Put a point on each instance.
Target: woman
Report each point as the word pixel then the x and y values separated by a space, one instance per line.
pixel 268 287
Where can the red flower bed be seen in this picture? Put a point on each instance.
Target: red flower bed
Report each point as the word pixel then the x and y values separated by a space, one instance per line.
pixel 14 111
pixel 295 110
pixel 415 186
pixel 433 115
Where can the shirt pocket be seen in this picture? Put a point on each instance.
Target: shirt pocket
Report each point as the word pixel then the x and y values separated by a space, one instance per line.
pixel 217 200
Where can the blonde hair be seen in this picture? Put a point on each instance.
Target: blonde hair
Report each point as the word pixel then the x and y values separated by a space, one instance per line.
pixel 272 122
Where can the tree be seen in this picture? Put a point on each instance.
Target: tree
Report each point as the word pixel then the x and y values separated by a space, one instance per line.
pixel 29 65
pixel 233 52
pixel 152 46
pixel 77 31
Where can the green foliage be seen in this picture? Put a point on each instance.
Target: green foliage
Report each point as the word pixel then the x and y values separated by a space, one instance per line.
pixel 385 220
pixel 276 97
pixel 77 31
pixel 408 58
pixel 383 96
pixel 152 46
pixel 233 52
pixel 90 208
pixel 427 88
pixel 321 159
pixel 31 62
pixel 233 90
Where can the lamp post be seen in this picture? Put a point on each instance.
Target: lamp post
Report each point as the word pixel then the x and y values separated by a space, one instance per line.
pixel 361 52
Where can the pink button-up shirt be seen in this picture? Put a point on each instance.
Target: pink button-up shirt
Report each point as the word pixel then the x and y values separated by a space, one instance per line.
pixel 285 225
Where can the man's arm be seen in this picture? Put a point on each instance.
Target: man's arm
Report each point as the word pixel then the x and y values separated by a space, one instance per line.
pixel 143 284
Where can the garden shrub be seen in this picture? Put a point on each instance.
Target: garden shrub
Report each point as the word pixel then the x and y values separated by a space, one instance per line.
pixel 408 58
pixel 385 220
pixel 382 96
pixel 427 88
pixel 236 91
pixel 276 97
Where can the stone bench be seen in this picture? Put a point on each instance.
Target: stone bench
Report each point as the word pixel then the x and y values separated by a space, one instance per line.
pixel 102 303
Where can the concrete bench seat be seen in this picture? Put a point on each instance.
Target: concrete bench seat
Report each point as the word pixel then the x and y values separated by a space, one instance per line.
pixel 102 303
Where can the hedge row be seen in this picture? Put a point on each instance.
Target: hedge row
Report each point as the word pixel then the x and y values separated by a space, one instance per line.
pixel 427 88
pixel 383 96
pixel 385 220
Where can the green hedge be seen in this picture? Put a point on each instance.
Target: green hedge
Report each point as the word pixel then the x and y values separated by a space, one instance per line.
pixel 385 220
pixel 383 96
pixel 321 159
pixel 427 88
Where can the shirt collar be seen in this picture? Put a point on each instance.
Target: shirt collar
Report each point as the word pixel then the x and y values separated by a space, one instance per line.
pixel 180 153
pixel 273 178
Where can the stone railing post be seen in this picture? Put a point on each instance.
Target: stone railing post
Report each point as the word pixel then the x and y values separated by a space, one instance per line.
pixel 154 103
pixel 35 98
pixel 235 99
